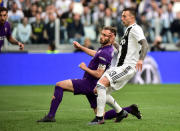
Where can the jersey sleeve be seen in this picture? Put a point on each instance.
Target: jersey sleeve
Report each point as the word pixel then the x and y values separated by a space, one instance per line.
pixel 8 32
pixel 137 33
pixel 103 59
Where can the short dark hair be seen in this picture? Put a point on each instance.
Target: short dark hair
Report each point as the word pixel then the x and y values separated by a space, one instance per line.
pixel 3 9
pixel 112 29
pixel 53 46
pixel 131 10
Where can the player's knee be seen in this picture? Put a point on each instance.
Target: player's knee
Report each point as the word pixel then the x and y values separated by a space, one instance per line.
pixel 60 84
pixel 100 87
pixel 104 81
pixel 65 85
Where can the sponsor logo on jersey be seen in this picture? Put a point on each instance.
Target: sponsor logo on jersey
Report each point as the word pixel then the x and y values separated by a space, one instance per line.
pixel 102 58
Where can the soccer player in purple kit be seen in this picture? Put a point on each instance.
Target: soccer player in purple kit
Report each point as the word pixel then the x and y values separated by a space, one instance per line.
pixel 5 31
pixel 100 62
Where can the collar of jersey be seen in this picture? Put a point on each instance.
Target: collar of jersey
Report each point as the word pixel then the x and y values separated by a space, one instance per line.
pixel 131 25
pixel 107 46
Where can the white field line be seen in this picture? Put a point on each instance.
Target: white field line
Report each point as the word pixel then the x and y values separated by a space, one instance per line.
pixel 70 110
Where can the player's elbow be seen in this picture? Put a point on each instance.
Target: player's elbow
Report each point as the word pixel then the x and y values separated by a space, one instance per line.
pixel 98 76
pixel 145 45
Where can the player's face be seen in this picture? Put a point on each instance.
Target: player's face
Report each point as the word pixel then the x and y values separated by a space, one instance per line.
pixel 105 37
pixel 127 18
pixel 112 39
pixel 3 17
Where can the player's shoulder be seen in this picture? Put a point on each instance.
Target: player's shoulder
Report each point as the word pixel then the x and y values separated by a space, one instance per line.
pixel 105 56
pixel 136 28
pixel 7 24
pixel 106 49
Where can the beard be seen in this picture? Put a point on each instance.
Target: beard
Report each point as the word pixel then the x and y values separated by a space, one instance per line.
pixel 2 22
pixel 104 42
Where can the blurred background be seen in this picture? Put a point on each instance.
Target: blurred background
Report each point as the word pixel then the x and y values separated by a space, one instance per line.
pixel 49 27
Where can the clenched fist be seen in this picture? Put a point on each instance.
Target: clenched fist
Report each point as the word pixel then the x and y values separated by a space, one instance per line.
pixel 82 65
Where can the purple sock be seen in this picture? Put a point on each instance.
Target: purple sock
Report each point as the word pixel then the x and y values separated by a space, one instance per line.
pixel 58 93
pixel 112 113
pixel 128 109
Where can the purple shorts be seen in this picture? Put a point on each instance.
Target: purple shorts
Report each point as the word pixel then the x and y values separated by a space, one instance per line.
pixel 85 87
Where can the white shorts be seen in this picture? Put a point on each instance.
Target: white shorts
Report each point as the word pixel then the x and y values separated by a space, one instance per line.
pixel 119 76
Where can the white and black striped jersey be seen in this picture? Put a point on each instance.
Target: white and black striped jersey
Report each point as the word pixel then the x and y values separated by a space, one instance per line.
pixel 129 47
pixel 114 58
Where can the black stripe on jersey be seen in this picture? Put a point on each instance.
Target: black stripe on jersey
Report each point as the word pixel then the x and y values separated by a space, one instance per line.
pixel 124 43
pixel 121 74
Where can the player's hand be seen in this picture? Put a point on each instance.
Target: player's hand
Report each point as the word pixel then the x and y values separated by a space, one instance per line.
pixel 21 46
pixel 139 65
pixel 76 44
pixel 82 65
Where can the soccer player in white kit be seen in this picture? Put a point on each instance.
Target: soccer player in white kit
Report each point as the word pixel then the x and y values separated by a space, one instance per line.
pixel 132 51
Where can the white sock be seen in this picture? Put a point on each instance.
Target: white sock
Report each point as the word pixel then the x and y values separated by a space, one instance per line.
pixel 101 99
pixel 111 102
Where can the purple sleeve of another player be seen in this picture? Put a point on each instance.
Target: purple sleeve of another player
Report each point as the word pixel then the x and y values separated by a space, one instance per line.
pixel 7 29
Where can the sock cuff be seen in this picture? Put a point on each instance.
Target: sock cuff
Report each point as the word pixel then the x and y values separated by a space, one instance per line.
pixel 100 86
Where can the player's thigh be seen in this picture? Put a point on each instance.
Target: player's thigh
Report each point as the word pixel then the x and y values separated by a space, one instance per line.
pixel 105 81
pixel 83 86
pixel 107 76
pixel 123 77
pixel 66 85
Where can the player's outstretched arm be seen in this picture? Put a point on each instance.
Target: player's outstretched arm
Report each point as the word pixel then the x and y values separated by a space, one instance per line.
pixel 15 42
pixel 143 53
pixel 84 49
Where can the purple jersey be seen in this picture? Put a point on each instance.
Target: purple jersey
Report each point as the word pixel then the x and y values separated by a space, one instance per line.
pixel 5 31
pixel 103 56
pixel 87 84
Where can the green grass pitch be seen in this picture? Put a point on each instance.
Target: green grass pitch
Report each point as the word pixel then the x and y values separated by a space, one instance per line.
pixel 21 106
